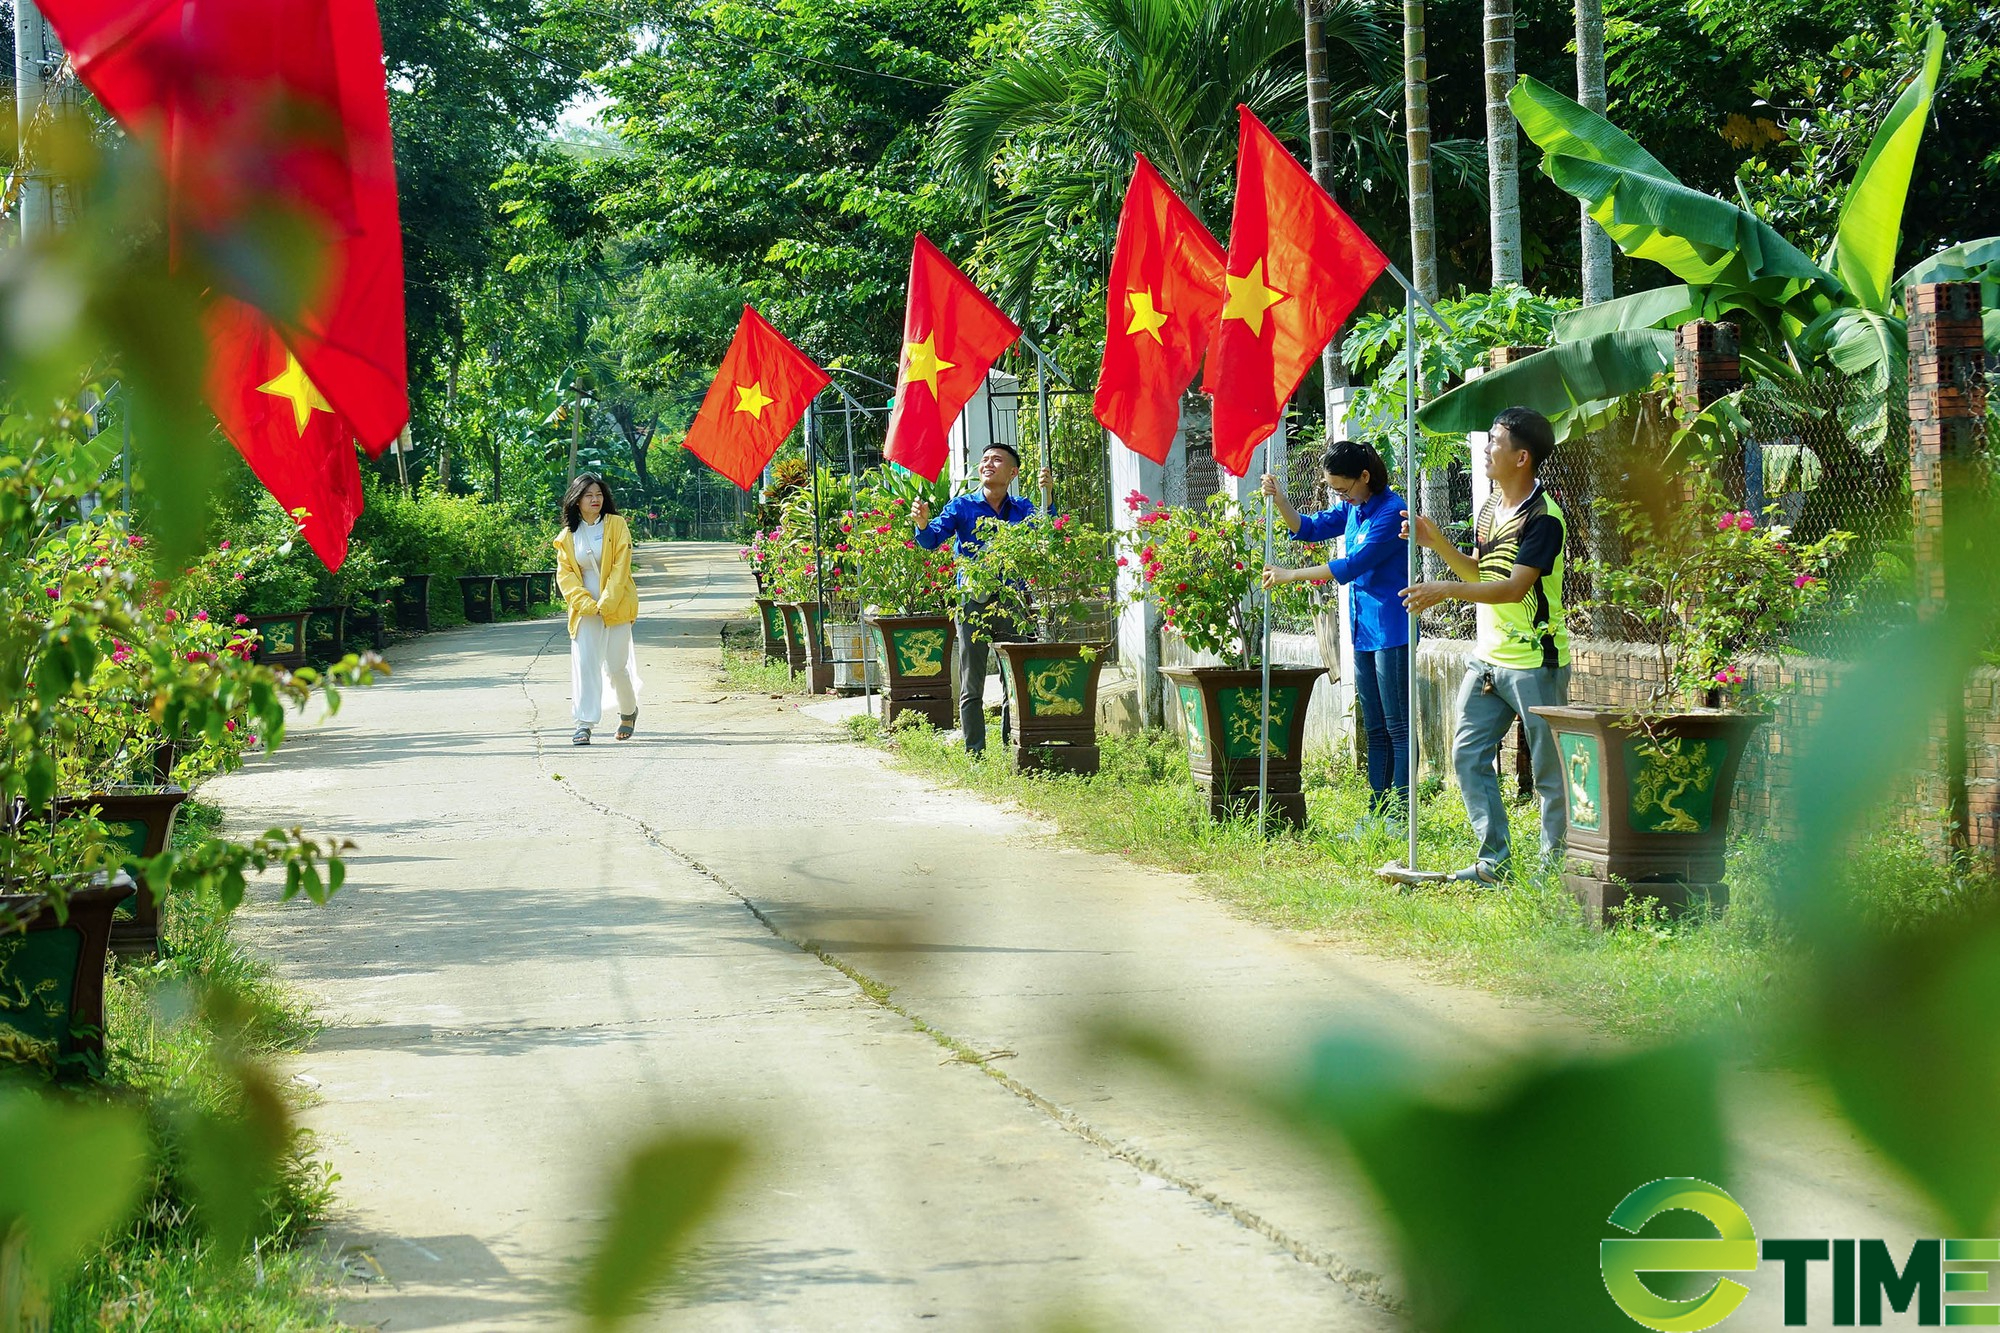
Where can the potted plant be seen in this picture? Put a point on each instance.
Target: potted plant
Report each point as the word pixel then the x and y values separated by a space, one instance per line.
pixel 1048 572
pixel 906 592
pixel 1706 589
pixel 1199 566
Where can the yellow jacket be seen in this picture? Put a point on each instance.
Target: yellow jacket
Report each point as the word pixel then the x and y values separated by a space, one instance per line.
pixel 618 600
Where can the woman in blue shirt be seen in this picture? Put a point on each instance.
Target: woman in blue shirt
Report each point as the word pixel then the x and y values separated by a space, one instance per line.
pixel 1376 570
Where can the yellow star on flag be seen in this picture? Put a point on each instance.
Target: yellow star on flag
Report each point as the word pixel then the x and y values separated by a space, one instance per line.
pixel 752 399
pixel 291 383
pixel 1249 298
pixel 1145 317
pixel 924 362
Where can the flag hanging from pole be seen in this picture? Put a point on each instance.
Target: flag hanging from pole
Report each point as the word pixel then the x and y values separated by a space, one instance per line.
pixel 952 334
pixel 1166 294
pixel 1297 268
pixel 760 390
pixel 262 104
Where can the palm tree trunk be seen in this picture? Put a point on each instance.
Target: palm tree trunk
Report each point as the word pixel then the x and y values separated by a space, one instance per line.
pixel 1319 122
pixel 1590 92
pixel 1417 138
pixel 1503 180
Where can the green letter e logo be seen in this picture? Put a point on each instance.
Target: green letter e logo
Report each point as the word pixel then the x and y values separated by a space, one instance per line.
pixel 1733 1251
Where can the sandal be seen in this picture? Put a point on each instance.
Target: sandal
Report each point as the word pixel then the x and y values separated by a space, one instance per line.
pixel 626 721
pixel 582 736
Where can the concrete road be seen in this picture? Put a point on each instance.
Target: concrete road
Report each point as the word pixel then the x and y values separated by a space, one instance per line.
pixel 739 919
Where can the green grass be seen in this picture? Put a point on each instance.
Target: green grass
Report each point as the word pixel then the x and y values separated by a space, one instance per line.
pixel 1645 975
pixel 162 1272
pixel 744 670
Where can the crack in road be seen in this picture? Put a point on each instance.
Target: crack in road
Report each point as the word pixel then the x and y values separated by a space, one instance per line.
pixel 1365 1284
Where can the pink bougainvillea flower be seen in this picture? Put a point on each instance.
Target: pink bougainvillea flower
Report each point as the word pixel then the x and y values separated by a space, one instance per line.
pixel 239 574
pixel 196 656
pixel 201 616
pixel 1062 521
pixel 242 619
pixel 1136 500
pixel 1194 536
pixel 172 615
pixel 1238 565
pixel 1744 523
pixel 1804 581
pixel 224 546
pixel 135 540
pixel 1123 562
pixel 230 725
pixel 1180 587
pixel 53 594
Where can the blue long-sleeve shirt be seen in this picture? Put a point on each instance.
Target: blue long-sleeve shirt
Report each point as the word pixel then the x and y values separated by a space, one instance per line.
pixel 1376 566
pixel 960 519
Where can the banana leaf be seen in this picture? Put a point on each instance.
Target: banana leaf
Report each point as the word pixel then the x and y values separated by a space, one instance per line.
pixel 1662 307
pixel 1871 220
pixel 1873 349
pixel 1702 240
pixel 1563 383
pixel 1968 261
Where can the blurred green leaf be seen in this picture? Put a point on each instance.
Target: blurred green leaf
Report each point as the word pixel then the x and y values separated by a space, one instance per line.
pixel 1500 1201
pixel 73 1171
pixel 664 1191
pixel 1905 1038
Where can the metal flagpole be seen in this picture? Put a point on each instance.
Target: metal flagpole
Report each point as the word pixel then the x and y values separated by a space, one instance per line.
pixel 1048 367
pixel 1410 371
pixel 860 611
pixel 819 555
pixel 1264 725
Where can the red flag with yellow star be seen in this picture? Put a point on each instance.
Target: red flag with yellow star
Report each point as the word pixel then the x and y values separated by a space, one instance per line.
pixel 759 392
pixel 255 104
pixel 951 336
pixel 1166 292
pixel 1297 268
pixel 286 430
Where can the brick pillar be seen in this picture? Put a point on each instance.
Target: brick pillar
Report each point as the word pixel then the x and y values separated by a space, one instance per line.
pixel 1706 367
pixel 1947 464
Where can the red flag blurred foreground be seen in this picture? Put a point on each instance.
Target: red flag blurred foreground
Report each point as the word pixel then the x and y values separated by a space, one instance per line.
pixel 1166 294
pixel 760 390
pixel 1297 268
pixel 951 335
pixel 256 104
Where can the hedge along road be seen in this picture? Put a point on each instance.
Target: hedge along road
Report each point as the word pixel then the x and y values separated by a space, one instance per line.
pixel 740 919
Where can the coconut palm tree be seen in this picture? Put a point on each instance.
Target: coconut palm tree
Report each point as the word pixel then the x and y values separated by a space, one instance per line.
pixel 1503 144
pixel 1417 141
pixel 1319 135
pixel 1590 94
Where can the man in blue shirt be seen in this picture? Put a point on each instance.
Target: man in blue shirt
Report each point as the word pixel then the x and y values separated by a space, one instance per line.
pixel 977 628
pixel 1376 570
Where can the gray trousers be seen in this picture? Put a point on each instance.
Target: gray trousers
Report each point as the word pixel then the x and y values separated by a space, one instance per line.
pixel 1491 698
pixel 973 649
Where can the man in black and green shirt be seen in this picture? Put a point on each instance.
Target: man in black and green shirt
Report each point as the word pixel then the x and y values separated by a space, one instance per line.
pixel 1513 578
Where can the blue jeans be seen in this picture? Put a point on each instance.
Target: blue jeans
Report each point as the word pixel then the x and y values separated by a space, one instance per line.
pixel 1382 682
pixel 1488 703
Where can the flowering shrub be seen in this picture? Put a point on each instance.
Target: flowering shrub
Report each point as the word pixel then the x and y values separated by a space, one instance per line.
pixel 1047 569
pixel 1707 587
pixel 891 573
pixel 98 667
pixel 1199 566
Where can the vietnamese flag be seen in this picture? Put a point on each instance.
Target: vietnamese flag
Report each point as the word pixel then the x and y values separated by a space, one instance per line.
pixel 952 333
pixel 261 104
pixel 760 390
pixel 1165 296
pixel 1297 268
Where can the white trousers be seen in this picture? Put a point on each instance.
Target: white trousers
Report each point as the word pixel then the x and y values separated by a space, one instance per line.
pixel 598 651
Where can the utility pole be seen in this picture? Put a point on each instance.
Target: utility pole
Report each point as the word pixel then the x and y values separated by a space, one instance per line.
pixel 31 54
